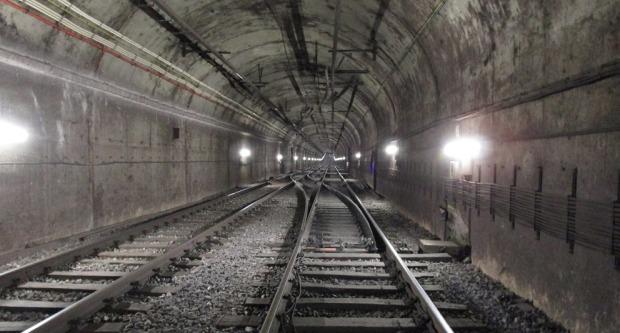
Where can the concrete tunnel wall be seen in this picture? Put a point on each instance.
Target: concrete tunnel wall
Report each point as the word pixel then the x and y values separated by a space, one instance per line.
pixel 536 80
pixel 94 160
pixel 101 150
pixel 555 107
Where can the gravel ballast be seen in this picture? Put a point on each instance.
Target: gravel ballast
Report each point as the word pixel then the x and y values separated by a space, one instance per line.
pixel 499 308
pixel 53 248
pixel 227 278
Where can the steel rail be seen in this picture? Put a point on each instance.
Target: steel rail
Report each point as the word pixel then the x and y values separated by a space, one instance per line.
pixel 273 322
pixel 438 321
pixel 67 318
pixel 363 221
pixel 71 316
pixel 311 178
pixel 24 273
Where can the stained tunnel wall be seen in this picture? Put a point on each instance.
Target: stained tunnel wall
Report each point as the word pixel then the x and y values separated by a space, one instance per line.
pixel 95 160
pixel 545 97
pixel 538 80
pixel 542 270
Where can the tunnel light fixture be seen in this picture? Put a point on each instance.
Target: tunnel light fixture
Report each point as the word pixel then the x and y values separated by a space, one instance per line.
pixel 279 157
pixel 391 149
pixel 295 157
pixel 358 155
pixel 463 149
pixel 244 153
pixel 304 158
pixel 12 134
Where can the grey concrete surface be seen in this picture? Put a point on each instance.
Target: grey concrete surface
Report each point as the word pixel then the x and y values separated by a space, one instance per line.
pixel 93 160
pixel 581 289
pixel 537 81
pixel 516 95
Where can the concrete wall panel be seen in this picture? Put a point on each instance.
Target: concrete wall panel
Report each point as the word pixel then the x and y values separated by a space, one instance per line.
pixel 547 134
pixel 534 51
pixel 93 160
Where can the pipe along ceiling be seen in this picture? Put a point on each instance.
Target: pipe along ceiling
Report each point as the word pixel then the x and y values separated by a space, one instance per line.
pixel 331 75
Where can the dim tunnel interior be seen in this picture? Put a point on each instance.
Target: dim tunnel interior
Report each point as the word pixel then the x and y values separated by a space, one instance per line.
pixel 136 107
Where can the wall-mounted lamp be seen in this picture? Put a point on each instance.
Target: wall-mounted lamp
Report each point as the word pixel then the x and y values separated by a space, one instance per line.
pixel 244 153
pixel 391 149
pixel 463 149
pixel 12 134
pixel 279 157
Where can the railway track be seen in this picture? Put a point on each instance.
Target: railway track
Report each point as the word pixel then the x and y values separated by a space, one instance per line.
pixel 337 271
pixel 59 293
pixel 342 274
pixel 458 316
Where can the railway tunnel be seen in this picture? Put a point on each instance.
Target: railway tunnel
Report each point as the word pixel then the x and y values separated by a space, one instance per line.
pixel 185 165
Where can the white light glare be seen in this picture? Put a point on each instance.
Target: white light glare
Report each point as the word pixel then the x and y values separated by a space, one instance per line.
pixel 304 158
pixel 463 149
pixel 244 152
pixel 11 134
pixel 279 157
pixel 391 149
pixel 295 157
pixel 358 155
pixel 342 158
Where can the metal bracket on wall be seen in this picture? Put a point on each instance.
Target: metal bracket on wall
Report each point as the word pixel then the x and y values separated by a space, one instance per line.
pixel 570 223
pixel 477 196
pixel 463 195
pixel 446 218
pixel 537 203
pixel 615 235
pixel 511 214
pixel 492 193
pixel 537 213
pixel 596 225
pixel 572 214
pixel 615 232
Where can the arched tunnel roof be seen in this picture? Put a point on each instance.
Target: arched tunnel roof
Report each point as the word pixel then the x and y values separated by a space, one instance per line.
pixel 394 58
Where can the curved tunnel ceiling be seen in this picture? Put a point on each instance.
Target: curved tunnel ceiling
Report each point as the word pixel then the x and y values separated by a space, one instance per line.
pixel 392 56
